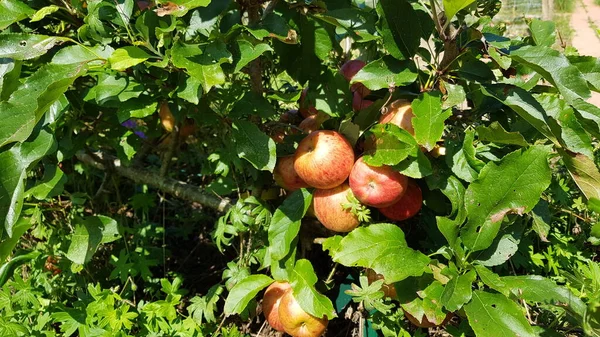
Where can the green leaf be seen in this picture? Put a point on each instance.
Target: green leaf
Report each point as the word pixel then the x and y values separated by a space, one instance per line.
pixel 127 57
pixel 504 246
pixel 89 233
pixel 10 70
pixel 15 162
pixel 51 185
pixel 473 69
pixel 23 46
pixel 572 134
pixel 8 244
pixel 43 12
pixel 461 159
pixel 244 291
pixel 495 133
pixel 249 52
pixel 542 218
pixel 584 171
pixel 136 108
pixel 590 116
pixel 189 89
pixel 524 104
pixel 381 247
pixel 594 204
pixel 555 67
pixel 454 190
pixel 392 145
pixel 589 66
pixel 492 280
pixel 202 61
pixel 33 98
pixel 112 89
pixel 539 289
pixel 303 280
pixel 402 27
pixel 252 104
pixel 429 119
pixel 458 291
pixel 492 315
pixel 285 223
pixel 512 186
pixel 186 5
pixel 455 95
pixel 451 7
pixel 79 54
pixel 254 146
pixel 543 32
pixel 415 167
pixel 386 72
pixel 12 11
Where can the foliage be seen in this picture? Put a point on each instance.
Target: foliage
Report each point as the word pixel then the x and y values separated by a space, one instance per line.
pixel 114 224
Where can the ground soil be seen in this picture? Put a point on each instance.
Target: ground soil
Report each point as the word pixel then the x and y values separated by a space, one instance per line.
pixel 584 21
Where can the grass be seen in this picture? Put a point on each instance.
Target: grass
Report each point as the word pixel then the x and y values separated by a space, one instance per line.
pixel 565 6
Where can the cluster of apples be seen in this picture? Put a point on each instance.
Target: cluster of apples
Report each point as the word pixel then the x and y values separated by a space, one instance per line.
pixel 326 161
pixel 284 314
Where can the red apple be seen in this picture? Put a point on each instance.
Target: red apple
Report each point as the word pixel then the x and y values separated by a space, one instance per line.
pixel 377 186
pixel 271 301
pixel 285 175
pixel 324 159
pixel 296 321
pixel 359 103
pixel 306 109
pixel 360 89
pixel 388 289
pixel 313 122
pixel 351 68
pixel 408 206
pixel 330 211
pixel 399 113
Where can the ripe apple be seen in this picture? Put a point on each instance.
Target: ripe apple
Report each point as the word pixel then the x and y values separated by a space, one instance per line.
pixel 351 68
pixel 313 122
pixel 377 186
pixel 408 206
pixel 359 103
pixel 424 322
pixel 306 109
pixel 271 301
pixel 388 289
pixel 399 113
pixel 167 120
pixel 285 175
pixel 297 322
pixel 330 211
pixel 324 159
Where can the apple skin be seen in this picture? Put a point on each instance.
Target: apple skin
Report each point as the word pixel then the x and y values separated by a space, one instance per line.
pixel 408 206
pixel 167 120
pixel 359 103
pixel 330 212
pixel 296 321
pixel 388 289
pixel 377 186
pixel 271 301
pixel 285 175
pixel 399 113
pixel 324 159
pixel 351 68
pixel 312 123
pixel 306 109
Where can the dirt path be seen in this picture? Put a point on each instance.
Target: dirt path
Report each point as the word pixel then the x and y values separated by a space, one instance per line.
pixel 585 39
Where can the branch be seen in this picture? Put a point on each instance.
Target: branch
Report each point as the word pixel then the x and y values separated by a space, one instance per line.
pixel 255 68
pixel 177 188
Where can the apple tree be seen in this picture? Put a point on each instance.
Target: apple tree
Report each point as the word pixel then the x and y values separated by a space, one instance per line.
pixel 384 166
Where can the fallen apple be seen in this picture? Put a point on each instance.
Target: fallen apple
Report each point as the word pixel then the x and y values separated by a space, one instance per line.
pixel 408 206
pixel 329 209
pixel 324 159
pixel 377 186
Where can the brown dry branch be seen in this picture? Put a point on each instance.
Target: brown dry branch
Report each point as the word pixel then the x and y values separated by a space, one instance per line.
pixel 177 188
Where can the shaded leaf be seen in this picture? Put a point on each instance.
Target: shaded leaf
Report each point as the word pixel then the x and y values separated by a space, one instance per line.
pixel 386 72
pixel 89 233
pixel 458 291
pixel 584 171
pixel 254 146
